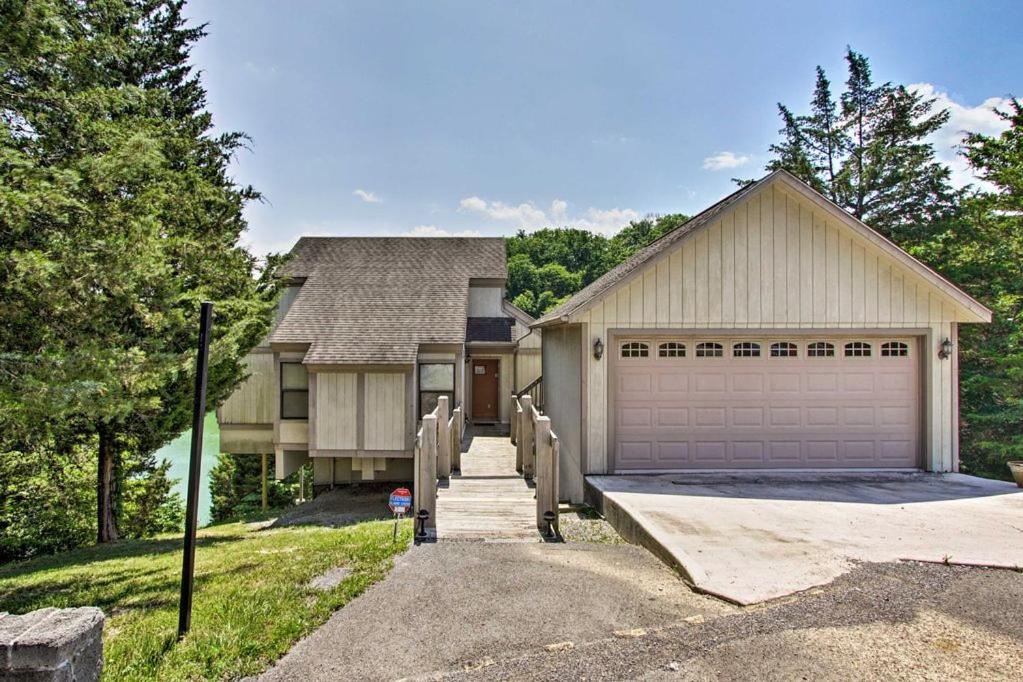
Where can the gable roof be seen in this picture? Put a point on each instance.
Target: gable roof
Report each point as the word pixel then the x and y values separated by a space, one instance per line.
pixel 625 270
pixel 374 300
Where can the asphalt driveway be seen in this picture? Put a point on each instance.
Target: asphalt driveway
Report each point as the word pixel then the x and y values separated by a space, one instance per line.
pixel 453 606
pixel 753 537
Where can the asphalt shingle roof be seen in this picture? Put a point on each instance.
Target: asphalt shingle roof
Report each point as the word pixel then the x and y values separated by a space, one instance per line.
pixel 374 300
pixel 489 329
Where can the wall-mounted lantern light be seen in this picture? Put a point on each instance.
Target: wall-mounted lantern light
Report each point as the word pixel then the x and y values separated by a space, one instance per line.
pixel 946 349
pixel 598 348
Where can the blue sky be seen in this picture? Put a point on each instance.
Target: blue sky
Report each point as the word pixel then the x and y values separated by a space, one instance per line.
pixel 392 118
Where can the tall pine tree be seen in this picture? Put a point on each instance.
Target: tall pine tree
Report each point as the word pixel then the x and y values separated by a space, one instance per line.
pixel 867 151
pixel 118 217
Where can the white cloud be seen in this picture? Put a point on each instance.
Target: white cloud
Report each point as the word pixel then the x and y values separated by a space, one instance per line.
pixel 523 215
pixel 724 160
pixel 529 216
pixel 962 119
pixel 434 231
pixel 368 197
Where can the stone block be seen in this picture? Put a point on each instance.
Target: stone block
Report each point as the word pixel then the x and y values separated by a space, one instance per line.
pixel 52 644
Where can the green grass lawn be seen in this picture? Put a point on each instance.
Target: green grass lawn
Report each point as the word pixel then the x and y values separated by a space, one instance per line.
pixel 250 602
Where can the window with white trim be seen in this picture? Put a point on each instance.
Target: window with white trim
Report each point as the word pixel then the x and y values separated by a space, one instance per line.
pixel 894 349
pixel 671 349
pixel 709 349
pixel 784 349
pixel 635 349
pixel 820 349
pixel 746 349
pixel 857 349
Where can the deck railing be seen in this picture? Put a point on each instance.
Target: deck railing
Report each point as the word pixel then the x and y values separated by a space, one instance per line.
pixel 537 450
pixel 436 452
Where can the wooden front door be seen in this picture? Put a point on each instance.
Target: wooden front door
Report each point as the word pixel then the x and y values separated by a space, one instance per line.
pixel 484 390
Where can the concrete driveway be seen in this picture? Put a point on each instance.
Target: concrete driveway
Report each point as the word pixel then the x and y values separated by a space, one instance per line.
pixel 752 537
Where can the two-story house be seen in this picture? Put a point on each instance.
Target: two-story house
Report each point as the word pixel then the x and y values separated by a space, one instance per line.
pixel 369 332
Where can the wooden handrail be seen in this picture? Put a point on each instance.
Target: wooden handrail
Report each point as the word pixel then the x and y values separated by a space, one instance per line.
pixel 530 386
pixel 534 389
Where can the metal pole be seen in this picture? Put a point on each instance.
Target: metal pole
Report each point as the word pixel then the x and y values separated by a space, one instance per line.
pixel 191 508
pixel 263 479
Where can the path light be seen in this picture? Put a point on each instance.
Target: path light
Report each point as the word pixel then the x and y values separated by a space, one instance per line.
pixel 598 348
pixel 946 349
pixel 422 516
pixel 548 517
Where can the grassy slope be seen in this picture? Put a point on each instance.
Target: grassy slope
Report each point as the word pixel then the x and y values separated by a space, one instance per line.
pixel 250 599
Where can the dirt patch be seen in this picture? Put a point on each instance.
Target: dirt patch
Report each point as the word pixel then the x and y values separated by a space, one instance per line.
pixel 585 524
pixel 329 579
pixel 342 506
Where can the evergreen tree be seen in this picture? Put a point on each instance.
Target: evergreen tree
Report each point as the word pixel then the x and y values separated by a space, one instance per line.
pixel 118 217
pixel 982 250
pixel 869 154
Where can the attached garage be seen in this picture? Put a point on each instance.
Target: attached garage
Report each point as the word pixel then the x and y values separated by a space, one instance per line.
pixel 693 402
pixel 771 331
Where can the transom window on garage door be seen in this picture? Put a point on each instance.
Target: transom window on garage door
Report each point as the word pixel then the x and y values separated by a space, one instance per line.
pixel 894 349
pixel 709 349
pixel 746 349
pixel 784 349
pixel 857 349
pixel 820 349
pixel 671 349
pixel 635 349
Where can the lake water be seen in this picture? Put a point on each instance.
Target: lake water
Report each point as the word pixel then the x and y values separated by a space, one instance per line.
pixel 178 451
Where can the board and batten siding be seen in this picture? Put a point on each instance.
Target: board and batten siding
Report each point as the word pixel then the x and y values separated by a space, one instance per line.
pixel 337 395
pixel 527 355
pixel 253 401
pixel 384 411
pixel 563 403
pixel 778 261
pixel 528 365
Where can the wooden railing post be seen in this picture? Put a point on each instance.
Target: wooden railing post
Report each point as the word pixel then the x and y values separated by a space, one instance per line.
pixel 526 435
pixel 544 483
pixel 443 438
pixel 514 423
pixel 455 437
pixel 516 419
pixel 426 471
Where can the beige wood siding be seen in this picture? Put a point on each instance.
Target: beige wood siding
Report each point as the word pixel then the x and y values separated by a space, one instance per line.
pixel 522 336
pixel 528 364
pixel 777 261
pixel 384 411
pixel 336 409
pixel 563 403
pixel 253 401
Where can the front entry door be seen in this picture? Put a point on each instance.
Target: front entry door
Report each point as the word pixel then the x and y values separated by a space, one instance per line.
pixel 484 390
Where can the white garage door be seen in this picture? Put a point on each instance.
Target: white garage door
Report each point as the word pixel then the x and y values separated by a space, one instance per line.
pixel 719 403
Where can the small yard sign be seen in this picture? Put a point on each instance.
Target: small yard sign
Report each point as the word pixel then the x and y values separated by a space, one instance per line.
pixel 400 501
